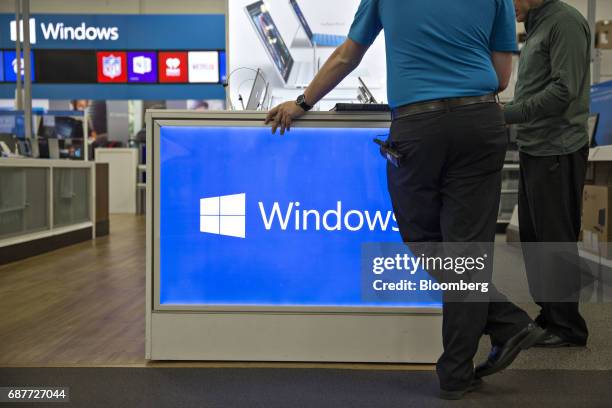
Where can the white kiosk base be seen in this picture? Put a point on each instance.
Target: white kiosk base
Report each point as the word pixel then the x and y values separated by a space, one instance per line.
pixel 298 334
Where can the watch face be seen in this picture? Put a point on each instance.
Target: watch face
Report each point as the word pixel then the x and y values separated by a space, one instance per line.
pixel 301 101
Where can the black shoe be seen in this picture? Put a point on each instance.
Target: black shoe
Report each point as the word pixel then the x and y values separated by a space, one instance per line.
pixel 553 341
pixel 456 395
pixel 502 356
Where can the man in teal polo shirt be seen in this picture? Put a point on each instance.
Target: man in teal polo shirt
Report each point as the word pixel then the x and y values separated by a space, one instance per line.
pixel 446 60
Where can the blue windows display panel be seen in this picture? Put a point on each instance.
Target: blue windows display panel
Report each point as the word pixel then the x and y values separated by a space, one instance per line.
pixel 247 218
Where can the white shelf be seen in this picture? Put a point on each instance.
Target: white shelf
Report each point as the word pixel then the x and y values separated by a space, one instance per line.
pixel 12 209
pixel 44 234
pixel 56 163
pixel 595 258
pixel 602 153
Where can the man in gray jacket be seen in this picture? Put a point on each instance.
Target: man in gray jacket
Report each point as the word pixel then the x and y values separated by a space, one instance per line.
pixel 551 110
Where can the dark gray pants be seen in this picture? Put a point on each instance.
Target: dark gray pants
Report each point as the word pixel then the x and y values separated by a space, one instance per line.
pixel 449 191
pixel 550 209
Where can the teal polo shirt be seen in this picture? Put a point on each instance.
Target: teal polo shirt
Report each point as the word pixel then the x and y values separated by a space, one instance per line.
pixel 437 48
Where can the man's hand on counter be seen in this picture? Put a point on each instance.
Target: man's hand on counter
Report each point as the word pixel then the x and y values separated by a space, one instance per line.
pixel 282 116
pixel 343 60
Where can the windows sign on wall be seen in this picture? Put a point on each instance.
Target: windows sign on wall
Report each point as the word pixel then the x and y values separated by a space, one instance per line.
pixel 71 52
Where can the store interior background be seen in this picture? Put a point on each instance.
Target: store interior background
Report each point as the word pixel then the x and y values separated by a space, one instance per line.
pixel 123 118
pixel 110 330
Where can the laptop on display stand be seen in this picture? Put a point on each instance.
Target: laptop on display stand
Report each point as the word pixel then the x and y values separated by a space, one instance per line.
pixel 294 74
pixel 258 92
pixel 315 39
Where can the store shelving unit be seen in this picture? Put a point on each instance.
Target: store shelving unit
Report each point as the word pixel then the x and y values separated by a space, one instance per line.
pixel 44 198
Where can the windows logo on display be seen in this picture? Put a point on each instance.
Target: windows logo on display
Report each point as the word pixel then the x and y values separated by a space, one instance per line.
pixel 224 215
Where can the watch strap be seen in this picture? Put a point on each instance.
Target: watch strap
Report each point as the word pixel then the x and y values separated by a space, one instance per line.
pixel 301 102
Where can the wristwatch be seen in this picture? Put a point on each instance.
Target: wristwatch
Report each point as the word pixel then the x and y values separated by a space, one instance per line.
pixel 301 102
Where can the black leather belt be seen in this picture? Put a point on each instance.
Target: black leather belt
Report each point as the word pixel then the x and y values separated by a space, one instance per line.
pixel 440 105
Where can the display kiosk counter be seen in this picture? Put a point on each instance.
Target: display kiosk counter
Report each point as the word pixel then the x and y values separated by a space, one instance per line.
pixel 255 241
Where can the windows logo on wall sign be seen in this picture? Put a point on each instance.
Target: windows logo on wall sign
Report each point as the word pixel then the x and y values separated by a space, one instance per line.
pixel 32 26
pixel 224 215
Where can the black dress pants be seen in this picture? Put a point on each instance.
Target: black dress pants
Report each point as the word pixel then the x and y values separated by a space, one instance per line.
pixel 448 190
pixel 550 209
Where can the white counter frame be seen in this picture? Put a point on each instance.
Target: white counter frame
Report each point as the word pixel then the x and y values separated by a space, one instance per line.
pixel 122 165
pixel 388 335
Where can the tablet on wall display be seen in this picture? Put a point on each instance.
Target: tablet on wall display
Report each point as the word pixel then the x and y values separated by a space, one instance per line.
pixel 173 67
pixel 112 66
pixel 322 40
pixel 11 66
pixel 203 67
pixel 142 67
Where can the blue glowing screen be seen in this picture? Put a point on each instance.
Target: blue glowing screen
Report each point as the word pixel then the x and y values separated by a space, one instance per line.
pixel 248 218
